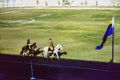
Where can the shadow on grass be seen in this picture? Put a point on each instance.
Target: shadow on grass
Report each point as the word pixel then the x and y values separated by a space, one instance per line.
pixel 19 68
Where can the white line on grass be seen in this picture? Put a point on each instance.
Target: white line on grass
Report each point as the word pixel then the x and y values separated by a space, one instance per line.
pixel 7 12
pixel 19 21
pixel 27 22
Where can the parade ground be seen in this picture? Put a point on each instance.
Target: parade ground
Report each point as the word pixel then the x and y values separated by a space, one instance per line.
pixel 78 29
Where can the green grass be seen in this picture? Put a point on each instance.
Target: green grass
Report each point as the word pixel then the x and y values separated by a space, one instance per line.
pixel 79 31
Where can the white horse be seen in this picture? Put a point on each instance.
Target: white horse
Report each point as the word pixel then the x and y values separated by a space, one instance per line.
pixel 57 49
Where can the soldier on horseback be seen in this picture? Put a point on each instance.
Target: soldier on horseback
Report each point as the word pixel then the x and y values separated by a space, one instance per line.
pixel 30 49
pixel 26 49
pixel 28 44
pixel 51 45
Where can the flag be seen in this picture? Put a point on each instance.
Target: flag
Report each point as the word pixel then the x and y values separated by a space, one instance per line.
pixel 109 31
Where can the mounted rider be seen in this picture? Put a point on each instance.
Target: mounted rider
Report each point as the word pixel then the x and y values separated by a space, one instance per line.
pixel 51 45
pixel 28 44
pixel 32 47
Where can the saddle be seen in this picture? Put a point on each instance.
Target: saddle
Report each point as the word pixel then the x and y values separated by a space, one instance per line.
pixel 51 49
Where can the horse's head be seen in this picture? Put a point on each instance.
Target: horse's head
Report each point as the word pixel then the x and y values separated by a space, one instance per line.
pixel 59 47
pixel 34 45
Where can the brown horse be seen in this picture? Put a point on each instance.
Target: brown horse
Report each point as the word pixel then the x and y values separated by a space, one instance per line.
pixel 32 49
pixel 25 50
pixel 28 49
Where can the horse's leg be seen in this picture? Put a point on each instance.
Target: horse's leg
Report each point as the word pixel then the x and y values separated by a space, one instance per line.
pixel 28 53
pixel 55 52
pixel 45 54
pixel 24 53
pixel 21 53
pixel 52 55
pixel 57 55
pixel 32 52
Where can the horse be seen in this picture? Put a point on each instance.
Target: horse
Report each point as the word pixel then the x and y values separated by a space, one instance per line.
pixel 29 50
pixel 32 49
pixel 37 51
pixel 25 50
pixel 56 50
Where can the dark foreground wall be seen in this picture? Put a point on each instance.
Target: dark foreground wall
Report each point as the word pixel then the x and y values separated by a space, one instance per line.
pixel 19 68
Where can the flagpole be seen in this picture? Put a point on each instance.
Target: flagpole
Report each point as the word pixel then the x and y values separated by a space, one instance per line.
pixel 112 40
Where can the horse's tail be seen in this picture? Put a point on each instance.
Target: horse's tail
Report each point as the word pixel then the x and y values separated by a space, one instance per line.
pixel 21 53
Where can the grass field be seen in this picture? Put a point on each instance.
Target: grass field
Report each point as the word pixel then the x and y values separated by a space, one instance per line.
pixel 79 31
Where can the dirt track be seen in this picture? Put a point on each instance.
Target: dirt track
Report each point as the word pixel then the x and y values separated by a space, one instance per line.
pixel 19 68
